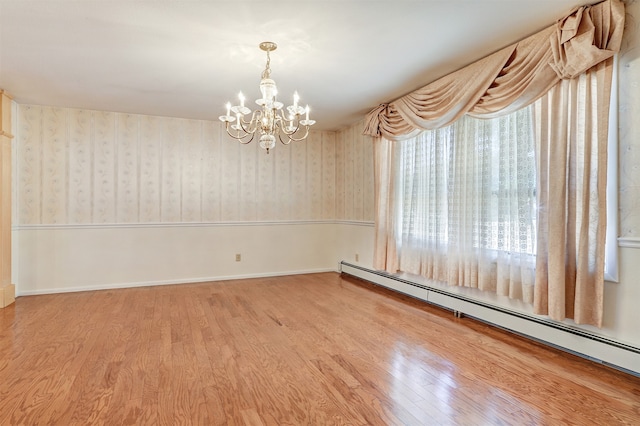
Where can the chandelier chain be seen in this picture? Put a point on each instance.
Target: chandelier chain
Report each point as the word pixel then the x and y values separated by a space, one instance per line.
pixel 267 69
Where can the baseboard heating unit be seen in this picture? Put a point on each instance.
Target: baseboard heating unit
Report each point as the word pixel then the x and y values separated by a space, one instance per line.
pixel 577 341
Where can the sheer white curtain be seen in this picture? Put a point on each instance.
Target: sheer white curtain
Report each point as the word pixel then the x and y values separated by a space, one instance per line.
pixel 464 204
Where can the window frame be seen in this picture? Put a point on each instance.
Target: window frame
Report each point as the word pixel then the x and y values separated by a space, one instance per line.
pixel 611 270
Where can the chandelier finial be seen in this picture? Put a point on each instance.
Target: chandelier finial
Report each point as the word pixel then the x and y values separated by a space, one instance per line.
pixel 269 121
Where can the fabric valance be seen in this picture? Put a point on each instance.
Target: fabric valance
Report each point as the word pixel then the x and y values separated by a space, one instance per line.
pixel 509 79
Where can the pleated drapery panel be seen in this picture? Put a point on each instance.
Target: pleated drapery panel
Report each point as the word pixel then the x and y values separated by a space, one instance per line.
pixel 572 188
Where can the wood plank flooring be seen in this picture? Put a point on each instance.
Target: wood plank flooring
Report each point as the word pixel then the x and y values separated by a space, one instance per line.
pixel 317 349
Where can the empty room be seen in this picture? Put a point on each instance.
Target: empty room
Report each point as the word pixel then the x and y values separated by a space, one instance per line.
pixel 358 212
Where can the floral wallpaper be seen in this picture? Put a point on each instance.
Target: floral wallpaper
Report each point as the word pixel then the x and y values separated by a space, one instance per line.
pixel 629 124
pixel 77 166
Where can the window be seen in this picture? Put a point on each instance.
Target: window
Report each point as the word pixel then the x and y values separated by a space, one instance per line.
pixel 469 187
pixel 468 191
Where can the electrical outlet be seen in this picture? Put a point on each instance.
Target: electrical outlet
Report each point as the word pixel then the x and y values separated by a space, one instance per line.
pixel 238 257
pixel 357 257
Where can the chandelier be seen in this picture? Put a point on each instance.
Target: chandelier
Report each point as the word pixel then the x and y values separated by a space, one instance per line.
pixel 269 121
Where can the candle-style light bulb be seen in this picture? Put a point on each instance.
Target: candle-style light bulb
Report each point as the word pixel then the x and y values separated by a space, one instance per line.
pixel 228 108
pixel 296 98
pixel 241 96
pixel 307 110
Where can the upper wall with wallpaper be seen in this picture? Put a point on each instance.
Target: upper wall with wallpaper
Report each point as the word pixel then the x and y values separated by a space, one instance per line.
pixel 93 167
pixel 629 123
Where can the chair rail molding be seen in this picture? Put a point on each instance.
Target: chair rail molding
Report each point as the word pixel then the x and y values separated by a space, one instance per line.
pixel 629 242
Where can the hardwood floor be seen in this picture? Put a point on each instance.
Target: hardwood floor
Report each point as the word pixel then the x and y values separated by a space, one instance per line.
pixel 301 350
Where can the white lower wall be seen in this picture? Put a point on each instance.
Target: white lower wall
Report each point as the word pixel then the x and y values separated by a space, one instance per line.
pixel 621 313
pixel 73 258
pixel 355 238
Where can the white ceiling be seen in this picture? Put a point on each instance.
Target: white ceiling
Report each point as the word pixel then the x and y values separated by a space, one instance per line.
pixel 186 58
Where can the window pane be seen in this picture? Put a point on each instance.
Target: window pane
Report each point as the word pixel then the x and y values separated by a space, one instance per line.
pixel 470 185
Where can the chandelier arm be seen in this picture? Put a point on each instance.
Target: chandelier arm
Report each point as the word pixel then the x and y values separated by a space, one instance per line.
pixel 284 120
pixel 251 123
pixel 293 132
pixel 306 133
pixel 283 142
pixel 249 141
pixel 290 137
pixel 238 137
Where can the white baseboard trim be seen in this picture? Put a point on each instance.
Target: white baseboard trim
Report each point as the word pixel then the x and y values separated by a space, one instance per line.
pixel 603 350
pixel 168 282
